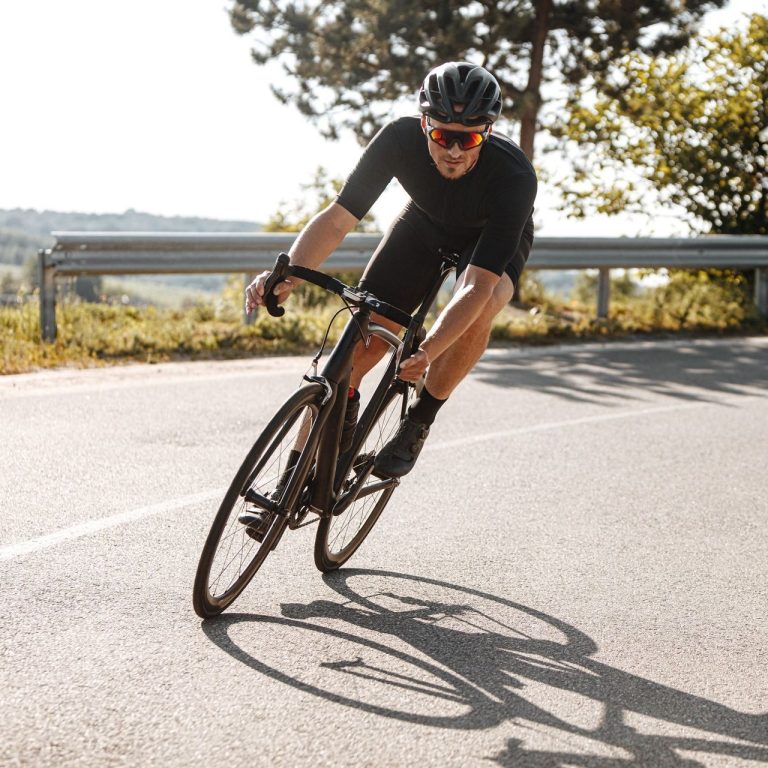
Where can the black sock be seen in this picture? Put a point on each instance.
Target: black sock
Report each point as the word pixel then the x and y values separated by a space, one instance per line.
pixel 425 407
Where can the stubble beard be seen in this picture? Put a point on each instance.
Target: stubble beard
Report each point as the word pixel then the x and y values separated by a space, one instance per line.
pixel 454 173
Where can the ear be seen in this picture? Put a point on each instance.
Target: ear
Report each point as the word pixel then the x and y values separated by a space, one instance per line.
pixel 423 123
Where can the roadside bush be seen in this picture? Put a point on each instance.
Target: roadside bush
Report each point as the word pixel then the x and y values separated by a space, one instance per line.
pixel 97 334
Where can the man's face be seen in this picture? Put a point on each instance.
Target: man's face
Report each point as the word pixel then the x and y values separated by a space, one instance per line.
pixel 452 162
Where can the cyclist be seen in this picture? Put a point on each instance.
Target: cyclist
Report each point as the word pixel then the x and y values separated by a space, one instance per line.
pixel 472 192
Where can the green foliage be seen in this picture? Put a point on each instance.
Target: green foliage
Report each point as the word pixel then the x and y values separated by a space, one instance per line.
pixel 97 334
pixel 691 302
pixel 585 289
pixel 10 280
pixel 712 298
pixel 30 222
pixel 688 129
pixel 17 246
pixel 348 60
pixel 319 193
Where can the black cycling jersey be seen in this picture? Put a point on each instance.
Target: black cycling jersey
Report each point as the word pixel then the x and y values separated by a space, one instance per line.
pixel 490 207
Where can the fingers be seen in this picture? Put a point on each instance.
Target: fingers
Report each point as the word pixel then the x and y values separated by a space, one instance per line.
pixel 408 376
pixel 284 288
pixel 413 368
pixel 254 293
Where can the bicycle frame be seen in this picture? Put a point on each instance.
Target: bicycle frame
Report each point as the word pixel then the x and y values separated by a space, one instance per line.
pixel 298 450
pixel 325 434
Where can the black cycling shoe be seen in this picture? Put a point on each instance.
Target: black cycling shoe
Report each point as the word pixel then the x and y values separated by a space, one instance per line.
pixel 256 522
pixel 399 455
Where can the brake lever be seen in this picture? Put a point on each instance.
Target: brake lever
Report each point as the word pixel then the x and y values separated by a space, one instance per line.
pixel 407 347
pixel 279 273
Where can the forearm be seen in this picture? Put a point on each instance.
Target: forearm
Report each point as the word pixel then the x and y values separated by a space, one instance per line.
pixel 315 243
pixel 321 236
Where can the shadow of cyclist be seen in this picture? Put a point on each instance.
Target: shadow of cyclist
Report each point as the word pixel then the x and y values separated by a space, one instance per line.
pixel 606 376
pixel 484 651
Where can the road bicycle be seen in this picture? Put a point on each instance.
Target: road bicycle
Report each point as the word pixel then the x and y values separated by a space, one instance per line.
pixel 294 475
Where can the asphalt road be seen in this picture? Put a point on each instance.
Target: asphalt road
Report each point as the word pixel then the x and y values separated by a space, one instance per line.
pixel 575 575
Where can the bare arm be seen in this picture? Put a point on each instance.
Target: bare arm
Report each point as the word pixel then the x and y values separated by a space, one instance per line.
pixel 463 309
pixel 315 243
pixel 322 236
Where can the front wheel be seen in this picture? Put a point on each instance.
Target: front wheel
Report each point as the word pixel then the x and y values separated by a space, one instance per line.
pixel 363 495
pixel 232 554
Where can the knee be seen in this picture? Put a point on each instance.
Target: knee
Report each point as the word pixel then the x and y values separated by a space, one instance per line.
pixel 502 293
pixel 499 299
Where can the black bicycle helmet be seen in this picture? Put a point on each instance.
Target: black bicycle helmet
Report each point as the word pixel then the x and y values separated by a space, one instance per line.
pixel 473 89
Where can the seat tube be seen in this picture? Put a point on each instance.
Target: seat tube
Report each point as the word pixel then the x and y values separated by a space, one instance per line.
pixel 337 371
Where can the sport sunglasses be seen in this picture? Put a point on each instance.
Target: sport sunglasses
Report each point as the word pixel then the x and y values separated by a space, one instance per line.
pixel 466 139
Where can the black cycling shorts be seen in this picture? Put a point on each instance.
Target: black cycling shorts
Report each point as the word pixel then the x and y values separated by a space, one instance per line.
pixel 407 261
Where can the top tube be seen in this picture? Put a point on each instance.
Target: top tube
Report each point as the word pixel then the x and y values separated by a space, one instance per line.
pixel 284 269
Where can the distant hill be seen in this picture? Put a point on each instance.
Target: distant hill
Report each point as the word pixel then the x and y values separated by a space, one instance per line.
pixel 24 231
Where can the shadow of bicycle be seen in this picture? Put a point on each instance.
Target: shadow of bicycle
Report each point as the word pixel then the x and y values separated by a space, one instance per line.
pixel 436 654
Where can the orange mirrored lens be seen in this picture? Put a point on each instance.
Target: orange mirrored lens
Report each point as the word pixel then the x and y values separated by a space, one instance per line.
pixel 467 140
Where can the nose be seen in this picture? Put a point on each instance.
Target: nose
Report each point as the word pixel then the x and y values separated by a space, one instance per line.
pixel 455 150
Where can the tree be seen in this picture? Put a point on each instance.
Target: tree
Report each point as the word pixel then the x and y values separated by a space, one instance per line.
pixel 348 60
pixel 320 192
pixel 687 129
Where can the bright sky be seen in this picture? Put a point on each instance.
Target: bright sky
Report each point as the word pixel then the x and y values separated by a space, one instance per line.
pixel 156 105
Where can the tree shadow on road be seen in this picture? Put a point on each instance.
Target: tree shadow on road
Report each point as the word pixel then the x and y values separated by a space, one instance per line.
pixel 436 654
pixel 700 371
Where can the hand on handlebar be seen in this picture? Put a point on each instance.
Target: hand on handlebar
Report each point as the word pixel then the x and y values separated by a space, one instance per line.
pixel 413 368
pixel 254 293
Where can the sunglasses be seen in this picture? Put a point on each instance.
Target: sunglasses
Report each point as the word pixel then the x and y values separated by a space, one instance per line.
pixel 466 139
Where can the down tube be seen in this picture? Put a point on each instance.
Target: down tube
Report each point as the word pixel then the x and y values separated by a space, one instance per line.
pixel 377 399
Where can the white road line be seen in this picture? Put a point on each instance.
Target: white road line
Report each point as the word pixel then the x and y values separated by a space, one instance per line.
pixel 10 389
pixel 470 439
pixel 90 527
pixel 11 551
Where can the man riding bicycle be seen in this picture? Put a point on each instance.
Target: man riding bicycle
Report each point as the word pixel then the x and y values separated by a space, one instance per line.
pixel 471 192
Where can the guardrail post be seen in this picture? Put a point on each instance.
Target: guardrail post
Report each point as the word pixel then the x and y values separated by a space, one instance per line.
pixel 761 291
pixel 47 276
pixel 603 292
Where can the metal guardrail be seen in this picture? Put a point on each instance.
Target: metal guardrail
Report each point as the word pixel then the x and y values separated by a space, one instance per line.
pixel 126 253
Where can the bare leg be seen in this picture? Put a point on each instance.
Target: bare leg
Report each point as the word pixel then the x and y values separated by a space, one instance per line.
pixel 397 457
pixel 457 361
pixel 365 359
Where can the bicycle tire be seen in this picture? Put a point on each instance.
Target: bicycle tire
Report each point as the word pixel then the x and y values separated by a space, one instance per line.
pixel 230 556
pixel 341 534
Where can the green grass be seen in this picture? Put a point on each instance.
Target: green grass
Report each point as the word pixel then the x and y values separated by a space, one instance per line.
pixel 99 334
pixel 102 334
pixel 158 294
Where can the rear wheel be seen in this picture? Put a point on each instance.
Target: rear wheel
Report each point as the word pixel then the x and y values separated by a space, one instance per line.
pixel 363 495
pixel 265 483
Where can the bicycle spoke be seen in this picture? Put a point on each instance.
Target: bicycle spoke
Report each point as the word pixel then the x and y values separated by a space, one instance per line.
pixel 340 535
pixel 234 552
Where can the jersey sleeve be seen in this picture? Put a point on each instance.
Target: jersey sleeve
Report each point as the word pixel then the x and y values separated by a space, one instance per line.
pixel 375 169
pixel 510 209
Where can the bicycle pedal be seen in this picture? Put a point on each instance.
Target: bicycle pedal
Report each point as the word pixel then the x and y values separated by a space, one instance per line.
pixel 262 502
